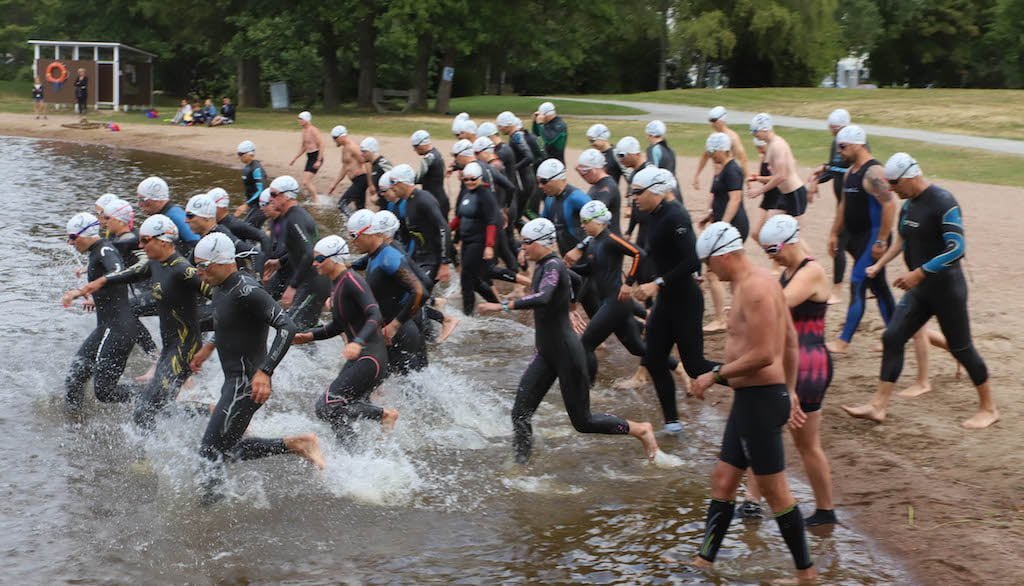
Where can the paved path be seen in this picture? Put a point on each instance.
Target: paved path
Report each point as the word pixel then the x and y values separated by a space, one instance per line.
pixel 737 119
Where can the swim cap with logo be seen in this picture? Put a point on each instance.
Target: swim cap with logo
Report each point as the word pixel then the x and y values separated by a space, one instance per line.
pixel 153 188
pixel 599 132
pixel 595 210
pixel 482 144
pixel 246 146
pixel 103 200
pixel 83 224
pixel 215 248
pixel 539 230
pixel 331 246
pixel 761 122
pixel 901 165
pixel 551 169
pixel 506 118
pixel 718 239
pixel 656 128
pixel 403 174
pixel 220 197
pixel 359 223
pixel 472 171
pixel 780 229
pixel 718 141
pixel 546 108
pixel 287 185
pixel 384 222
pixel 627 145
pixel 487 129
pixel 656 180
pixel 201 205
pixel 370 145
pixel 852 134
pixel 592 159
pixel 160 227
pixel 120 210
pixel 462 147
pixel 264 197
pixel 419 137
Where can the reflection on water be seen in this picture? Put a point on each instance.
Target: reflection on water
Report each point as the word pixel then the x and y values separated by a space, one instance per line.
pixel 438 500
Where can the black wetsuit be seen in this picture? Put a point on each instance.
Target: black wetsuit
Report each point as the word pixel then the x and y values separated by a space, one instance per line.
pixel 140 296
pixel 243 314
pixel 378 168
pixel 679 307
pixel 176 289
pixel 636 217
pixel 431 177
pixel 662 156
pixel 476 219
pixel 504 192
pixel 559 354
pixel 528 202
pixel 428 232
pixel 251 235
pixel 931 227
pixel 729 179
pixel 612 165
pixel 607 192
pixel 400 292
pixel 104 353
pixel 299 233
pixel 279 280
pixel 355 313
pixel 862 221
pixel 254 180
pixel 835 170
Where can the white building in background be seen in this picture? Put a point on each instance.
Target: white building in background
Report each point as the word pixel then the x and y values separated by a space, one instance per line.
pixel 849 73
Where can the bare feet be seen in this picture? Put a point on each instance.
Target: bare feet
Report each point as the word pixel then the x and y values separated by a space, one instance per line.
pixel 866 411
pixel 838 346
pixel 699 562
pixel 982 419
pixel 715 326
pixel 833 300
pixel 447 327
pixel 389 419
pixel 148 376
pixel 639 379
pixel 645 433
pixel 915 390
pixel 306 445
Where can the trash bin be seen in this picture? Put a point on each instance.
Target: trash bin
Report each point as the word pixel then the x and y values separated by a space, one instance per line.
pixel 279 95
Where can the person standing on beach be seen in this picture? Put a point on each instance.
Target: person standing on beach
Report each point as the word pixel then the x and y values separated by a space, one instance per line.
pixel 834 170
pixel 354 168
pixel 38 102
pixel 81 92
pixel 312 146
pixel 932 233
pixel 793 195
pixel 716 117
pixel 552 130
pixel 761 364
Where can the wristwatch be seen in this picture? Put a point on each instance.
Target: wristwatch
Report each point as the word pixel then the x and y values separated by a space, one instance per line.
pixel 659 282
pixel 718 375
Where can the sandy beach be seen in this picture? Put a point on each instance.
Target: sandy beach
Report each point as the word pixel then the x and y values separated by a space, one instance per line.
pixel 947 502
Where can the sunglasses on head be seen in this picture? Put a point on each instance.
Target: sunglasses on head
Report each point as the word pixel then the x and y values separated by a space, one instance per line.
pixel 637 191
pixel 202 266
pixel 359 233
pixel 276 193
pixel 893 182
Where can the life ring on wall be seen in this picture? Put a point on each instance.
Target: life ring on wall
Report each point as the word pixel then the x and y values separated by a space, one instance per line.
pixel 59 69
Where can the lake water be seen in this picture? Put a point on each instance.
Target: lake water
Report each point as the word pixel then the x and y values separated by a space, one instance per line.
pixel 438 500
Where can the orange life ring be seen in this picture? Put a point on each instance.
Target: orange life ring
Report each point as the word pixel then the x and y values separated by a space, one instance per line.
pixel 61 70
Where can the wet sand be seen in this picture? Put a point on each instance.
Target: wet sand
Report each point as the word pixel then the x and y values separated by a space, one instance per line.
pixel 964 488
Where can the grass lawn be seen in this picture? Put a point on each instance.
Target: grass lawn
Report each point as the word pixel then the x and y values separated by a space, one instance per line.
pixel 481 107
pixel 992 113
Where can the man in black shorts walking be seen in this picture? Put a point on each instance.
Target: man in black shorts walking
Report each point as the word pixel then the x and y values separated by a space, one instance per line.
pixel 761 364
pixel 313 147
pixel 779 157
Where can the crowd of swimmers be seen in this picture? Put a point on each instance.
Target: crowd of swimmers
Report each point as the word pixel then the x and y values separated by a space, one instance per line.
pixel 237 274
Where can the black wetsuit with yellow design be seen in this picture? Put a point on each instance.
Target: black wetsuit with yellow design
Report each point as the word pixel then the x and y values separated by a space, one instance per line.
pixel 176 289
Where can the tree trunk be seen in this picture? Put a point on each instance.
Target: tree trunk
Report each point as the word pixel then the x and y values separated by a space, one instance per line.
pixel 367 59
pixel 421 73
pixel 663 48
pixel 249 95
pixel 444 88
pixel 329 56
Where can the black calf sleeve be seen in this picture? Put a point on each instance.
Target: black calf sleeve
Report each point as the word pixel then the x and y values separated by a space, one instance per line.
pixel 719 517
pixel 791 525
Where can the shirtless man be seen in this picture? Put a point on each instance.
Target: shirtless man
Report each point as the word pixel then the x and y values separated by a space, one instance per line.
pixel 716 117
pixel 352 167
pixel 761 365
pixel 793 195
pixel 312 146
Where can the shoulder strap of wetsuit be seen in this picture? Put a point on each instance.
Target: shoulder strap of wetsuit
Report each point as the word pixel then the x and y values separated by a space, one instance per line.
pixel 803 263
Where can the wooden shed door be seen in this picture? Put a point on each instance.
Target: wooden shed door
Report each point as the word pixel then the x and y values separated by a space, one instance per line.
pixel 105 82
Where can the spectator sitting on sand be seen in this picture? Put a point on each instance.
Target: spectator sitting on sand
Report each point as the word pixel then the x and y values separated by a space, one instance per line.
pixel 227 114
pixel 184 114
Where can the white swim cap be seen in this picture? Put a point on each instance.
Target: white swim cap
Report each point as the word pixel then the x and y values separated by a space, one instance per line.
pixel 627 145
pixel 656 180
pixel 599 132
pixel 901 165
pixel 852 134
pixel 419 137
pixel 595 210
pixel 403 174
pixel 103 200
pixel 506 118
pixel 656 128
pixel 384 183
pixel 287 185
pixel 592 159
pixel 780 229
pixel 83 224
pixel 201 205
pixel 718 141
pixel 306 116
pixel 384 222
pixel 160 227
pixel 215 248
pixel 487 129
pixel 761 122
pixel 339 131
pixel 246 146
pixel 331 246
pixel 518 124
pixel 370 145
pixel 153 188
pixel 220 197
pixel 472 171
pixel 546 108
pixel 717 113
pixel 482 144
pixel 540 230
pixel 551 169
pixel 359 223
pixel 718 239
pixel 467 126
pixel 462 116
pixel 120 210
pixel 839 117
pixel 264 197
pixel 462 147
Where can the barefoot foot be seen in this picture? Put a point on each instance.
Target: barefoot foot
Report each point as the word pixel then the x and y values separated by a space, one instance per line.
pixel 389 419
pixel 867 411
pixel 982 419
pixel 701 563
pixel 837 346
pixel 307 446
pixel 447 327
pixel 148 376
pixel 915 390
pixel 645 433
pixel 715 326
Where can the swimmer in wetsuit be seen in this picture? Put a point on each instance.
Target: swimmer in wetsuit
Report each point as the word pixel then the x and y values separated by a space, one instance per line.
pixel 552 130
pixel 834 170
pixel 154 198
pixel 243 314
pixel 562 204
pixel 254 181
pixel 527 199
pixel 932 235
pixel 120 219
pixel 105 352
pixel 603 187
pixel 659 153
pixel 354 313
pixel 476 223
pixel 806 288
pixel 201 215
pixel 176 288
pixel 431 171
pixel 559 354
pixel 761 363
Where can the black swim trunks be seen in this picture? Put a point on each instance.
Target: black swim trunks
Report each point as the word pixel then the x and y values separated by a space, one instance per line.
pixel 753 433
pixel 311 159
pixel 793 203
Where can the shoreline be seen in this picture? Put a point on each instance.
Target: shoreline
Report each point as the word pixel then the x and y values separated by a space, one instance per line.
pixel 953 479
